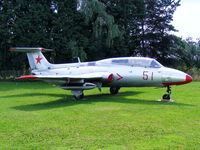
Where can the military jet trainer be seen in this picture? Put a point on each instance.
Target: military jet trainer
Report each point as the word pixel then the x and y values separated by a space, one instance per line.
pixel 112 72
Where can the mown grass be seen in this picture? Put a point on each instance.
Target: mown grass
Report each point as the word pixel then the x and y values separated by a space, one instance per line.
pixel 39 116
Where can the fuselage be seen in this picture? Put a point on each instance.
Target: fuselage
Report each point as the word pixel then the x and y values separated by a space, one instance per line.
pixel 123 72
pixel 112 72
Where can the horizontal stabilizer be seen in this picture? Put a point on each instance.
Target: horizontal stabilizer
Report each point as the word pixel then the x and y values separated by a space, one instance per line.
pixel 29 49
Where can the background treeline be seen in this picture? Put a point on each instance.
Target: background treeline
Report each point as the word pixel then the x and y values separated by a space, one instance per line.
pixel 92 30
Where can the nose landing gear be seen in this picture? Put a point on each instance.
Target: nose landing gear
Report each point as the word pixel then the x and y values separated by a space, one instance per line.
pixel 166 97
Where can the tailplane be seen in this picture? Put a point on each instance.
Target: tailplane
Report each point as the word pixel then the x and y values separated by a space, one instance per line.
pixel 36 59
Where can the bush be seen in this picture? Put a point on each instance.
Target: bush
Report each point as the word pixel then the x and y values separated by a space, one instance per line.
pixel 12 74
pixel 194 72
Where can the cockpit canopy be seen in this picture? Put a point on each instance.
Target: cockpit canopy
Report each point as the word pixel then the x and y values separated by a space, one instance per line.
pixel 133 61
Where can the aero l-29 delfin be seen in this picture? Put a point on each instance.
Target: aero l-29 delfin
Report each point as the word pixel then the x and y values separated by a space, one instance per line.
pixel 112 72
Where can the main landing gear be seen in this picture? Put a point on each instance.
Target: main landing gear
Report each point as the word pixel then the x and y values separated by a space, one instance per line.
pixel 114 90
pixel 78 94
pixel 167 96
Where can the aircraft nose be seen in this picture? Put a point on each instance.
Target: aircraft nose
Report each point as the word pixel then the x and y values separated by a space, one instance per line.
pixel 175 77
pixel 188 79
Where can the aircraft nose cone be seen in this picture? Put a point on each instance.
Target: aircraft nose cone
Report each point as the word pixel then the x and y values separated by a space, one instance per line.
pixel 188 79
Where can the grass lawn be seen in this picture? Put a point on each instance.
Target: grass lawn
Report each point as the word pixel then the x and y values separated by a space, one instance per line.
pixel 39 116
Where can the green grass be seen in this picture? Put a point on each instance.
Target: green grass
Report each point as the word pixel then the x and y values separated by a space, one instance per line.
pixel 40 116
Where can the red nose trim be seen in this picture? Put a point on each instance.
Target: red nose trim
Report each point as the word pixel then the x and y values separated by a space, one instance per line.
pixel 187 80
pixel 27 77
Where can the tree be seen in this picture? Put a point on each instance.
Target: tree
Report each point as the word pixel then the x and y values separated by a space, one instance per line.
pixel 101 30
pixel 145 24
pixel 190 53
pixel 155 27
pixel 127 14
pixel 90 29
pixel 24 26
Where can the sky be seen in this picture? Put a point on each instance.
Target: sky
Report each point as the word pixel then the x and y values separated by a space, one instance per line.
pixel 186 19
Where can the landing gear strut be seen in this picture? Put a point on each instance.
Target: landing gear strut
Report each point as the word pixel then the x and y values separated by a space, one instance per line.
pixel 167 96
pixel 78 94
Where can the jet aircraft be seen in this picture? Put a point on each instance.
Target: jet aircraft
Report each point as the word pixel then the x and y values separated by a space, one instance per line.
pixel 112 72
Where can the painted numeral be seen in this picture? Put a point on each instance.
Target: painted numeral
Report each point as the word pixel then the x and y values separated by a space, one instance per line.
pixel 146 75
pixel 152 76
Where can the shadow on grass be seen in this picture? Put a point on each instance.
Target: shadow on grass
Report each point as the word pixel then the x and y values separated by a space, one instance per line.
pixel 32 95
pixel 67 101
pixel 64 96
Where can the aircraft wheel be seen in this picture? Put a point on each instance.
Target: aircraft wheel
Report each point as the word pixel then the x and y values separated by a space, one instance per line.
pixel 78 97
pixel 114 90
pixel 166 96
pixel 81 96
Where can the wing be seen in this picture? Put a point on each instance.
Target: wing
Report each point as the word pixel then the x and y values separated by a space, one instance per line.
pixel 87 76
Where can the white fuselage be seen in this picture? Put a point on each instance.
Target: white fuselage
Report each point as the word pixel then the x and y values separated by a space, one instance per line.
pixel 122 75
pixel 112 72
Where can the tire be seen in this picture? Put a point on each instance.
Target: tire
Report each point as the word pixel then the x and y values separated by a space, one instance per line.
pixel 166 96
pixel 114 90
pixel 79 97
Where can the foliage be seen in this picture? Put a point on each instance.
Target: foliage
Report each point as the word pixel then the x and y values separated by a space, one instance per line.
pixel 93 29
pixel 191 53
pixel 101 22
pixel 185 53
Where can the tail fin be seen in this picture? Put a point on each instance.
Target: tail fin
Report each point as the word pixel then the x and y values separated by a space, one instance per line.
pixel 35 57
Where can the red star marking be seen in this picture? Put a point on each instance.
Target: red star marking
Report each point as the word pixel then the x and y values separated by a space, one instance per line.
pixel 38 59
pixel 120 77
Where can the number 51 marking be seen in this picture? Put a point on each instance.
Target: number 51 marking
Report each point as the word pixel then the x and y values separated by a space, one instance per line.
pixel 146 75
